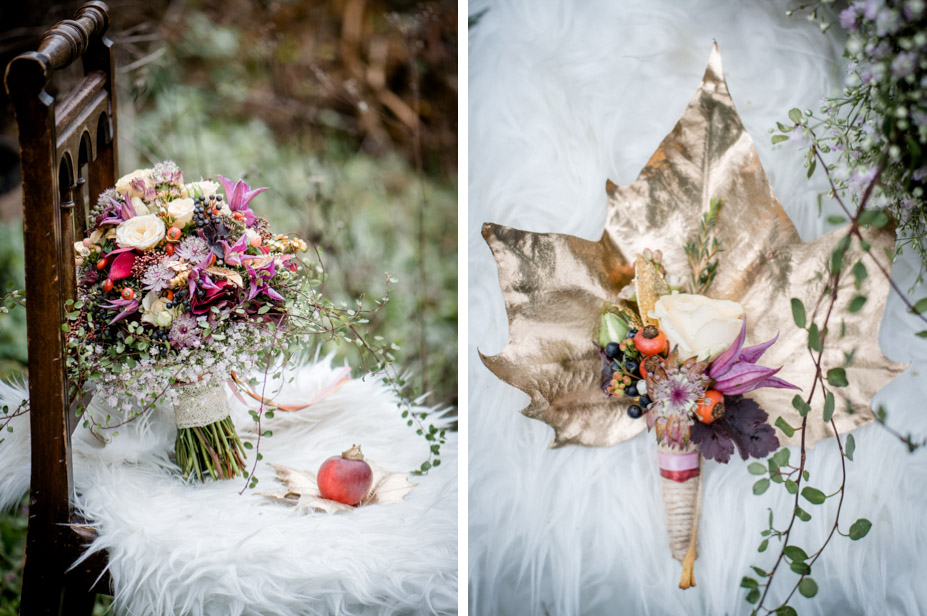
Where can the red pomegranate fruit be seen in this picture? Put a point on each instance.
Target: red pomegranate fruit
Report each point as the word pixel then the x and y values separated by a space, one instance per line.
pixel 345 478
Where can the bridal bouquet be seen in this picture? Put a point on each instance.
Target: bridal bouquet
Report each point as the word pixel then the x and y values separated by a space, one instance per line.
pixel 180 286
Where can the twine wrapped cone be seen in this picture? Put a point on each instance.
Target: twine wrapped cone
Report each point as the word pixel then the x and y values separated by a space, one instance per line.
pixel 679 472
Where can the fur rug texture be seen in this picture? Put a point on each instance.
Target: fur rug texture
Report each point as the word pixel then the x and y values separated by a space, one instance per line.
pixel 204 550
pixel 562 96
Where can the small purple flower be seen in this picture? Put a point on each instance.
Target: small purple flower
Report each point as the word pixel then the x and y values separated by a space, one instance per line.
pixel 735 371
pixel 127 307
pixel 158 277
pixel 239 196
pixel 848 19
pixel 904 64
pixel 185 332
pixel 872 8
pixel 193 249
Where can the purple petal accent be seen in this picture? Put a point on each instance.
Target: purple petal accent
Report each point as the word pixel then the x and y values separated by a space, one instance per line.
pixel 250 194
pixel 252 293
pixel 774 381
pixel 109 221
pixel 752 354
pixel 724 361
pixel 126 209
pixel 741 375
pixel 227 186
pixel 272 294
pixel 128 305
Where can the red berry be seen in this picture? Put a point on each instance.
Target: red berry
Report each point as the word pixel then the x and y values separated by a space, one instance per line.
pixel 650 340
pixel 101 264
pixel 345 478
pixel 173 234
pixel 108 285
pixel 128 293
pixel 169 249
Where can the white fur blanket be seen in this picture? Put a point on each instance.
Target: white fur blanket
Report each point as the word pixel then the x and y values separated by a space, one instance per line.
pixel 562 96
pixel 203 549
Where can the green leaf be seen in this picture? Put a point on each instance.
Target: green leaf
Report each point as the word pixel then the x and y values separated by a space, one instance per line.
pixel 874 217
pixel 812 166
pixel 836 220
pixel 859 273
pixel 791 486
pixel 921 306
pixel 795 115
pixel 800 567
pixel 801 406
pixel 755 468
pixel 828 407
pixel 782 457
pixel 779 138
pixel 813 495
pixel 795 553
pixel 860 529
pixel 748 582
pixel 786 610
pixel 759 572
pixel 247 445
pixel 754 595
pixel 760 486
pixel 808 587
pixel 763 545
pixel 837 377
pixel 788 430
pixel 922 334
pixel 798 312
pixel 849 447
pixel 814 338
pixel 857 303
pixel 802 515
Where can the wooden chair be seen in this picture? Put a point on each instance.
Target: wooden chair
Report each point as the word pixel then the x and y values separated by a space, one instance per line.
pixel 68 150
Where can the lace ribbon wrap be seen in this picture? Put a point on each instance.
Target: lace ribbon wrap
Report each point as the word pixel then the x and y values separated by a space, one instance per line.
pixel 679 471
pixel 201 404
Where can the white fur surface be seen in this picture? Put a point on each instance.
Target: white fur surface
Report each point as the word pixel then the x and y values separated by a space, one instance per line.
pixel 563 95
pixel 204 550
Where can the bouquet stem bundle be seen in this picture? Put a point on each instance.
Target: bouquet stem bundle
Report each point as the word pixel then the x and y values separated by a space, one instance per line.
pixel 679 471
pixel 207 442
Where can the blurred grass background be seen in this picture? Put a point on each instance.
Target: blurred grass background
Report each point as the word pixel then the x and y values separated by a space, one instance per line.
pixel 347 109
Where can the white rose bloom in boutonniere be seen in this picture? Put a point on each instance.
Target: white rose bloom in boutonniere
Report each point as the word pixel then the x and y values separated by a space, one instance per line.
pixel 697 325
pixel 124 184
pixel 142 232
pixel 155 310
pixel 182 211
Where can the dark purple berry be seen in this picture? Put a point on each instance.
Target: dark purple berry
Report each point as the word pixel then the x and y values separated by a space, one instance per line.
pixel 634 411
pixel 611 350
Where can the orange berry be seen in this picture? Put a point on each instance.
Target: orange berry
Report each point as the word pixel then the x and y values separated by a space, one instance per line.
pixel 170 295
pixel 101 264
pixel 255 241
pixel 128 293
pixel 239 216
pixel 174 234
pixel 650 340
pixel 108 285
pixel 711 407
pixel 169 249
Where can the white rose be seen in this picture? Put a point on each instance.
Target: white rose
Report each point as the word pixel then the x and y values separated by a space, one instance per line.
pixel 182 211
pixel 142 232
pixel 203 188
pixel 698 326
pixel 140 208
pixel 81 250
pixel 155 310
pixel 124 184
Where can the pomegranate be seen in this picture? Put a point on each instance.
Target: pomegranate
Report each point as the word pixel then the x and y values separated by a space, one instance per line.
pixel 345 478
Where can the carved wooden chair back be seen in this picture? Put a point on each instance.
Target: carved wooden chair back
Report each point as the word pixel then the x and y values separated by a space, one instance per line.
pixel 68 151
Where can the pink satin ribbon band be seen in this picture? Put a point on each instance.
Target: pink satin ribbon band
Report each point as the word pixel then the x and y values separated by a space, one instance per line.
pixel 678 467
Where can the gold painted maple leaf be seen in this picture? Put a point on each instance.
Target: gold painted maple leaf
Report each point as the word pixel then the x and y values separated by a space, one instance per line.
pixel 555 286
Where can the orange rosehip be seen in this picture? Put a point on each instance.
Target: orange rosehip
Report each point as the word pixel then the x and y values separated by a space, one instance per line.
pixel 128 293
pixel 169 249
pixel 108 285
pixel 239 216
pixel 649 364
pixel 101 264
pixel 174 234
pixel 170 295
pixel 650 340
pixel 711 407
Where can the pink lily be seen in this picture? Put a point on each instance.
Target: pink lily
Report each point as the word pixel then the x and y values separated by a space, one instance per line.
pixel 262 275
pixel 128 306
pixel 239 196
pixel 735 371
